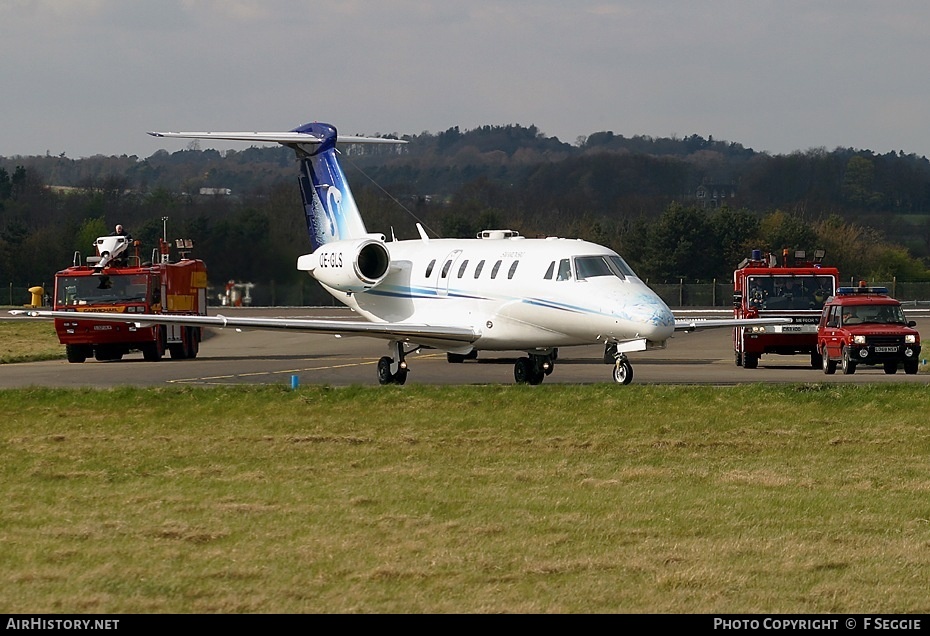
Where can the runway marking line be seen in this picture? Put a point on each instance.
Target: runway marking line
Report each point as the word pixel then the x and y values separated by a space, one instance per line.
pixel 213 378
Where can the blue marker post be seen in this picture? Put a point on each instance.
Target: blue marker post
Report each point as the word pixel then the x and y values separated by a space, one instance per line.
pixel 295 381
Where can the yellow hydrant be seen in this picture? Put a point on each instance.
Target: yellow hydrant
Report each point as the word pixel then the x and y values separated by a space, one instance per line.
pixel 37 292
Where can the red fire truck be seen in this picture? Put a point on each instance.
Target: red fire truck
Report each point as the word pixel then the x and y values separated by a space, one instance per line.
pixel 796 288
pixel 117 281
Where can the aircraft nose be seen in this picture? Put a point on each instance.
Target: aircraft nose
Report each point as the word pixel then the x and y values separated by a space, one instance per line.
pixel 652 316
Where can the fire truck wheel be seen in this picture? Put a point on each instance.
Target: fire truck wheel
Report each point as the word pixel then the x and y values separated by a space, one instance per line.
pixel 739 359
pixel 751 360
pixel 847 363
pixel 194 342
pixel 153 351
pixel 76 353
pixel 105 353
pixel 816 360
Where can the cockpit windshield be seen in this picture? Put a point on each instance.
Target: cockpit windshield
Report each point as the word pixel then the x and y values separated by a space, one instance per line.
pixel 99 290
pixel 594 266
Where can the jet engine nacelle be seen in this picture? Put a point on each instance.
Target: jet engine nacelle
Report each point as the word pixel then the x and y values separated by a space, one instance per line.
pixel 349 266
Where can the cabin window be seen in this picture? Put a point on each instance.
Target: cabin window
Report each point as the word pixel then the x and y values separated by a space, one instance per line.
pixel 513 270
pixel 445 268
pixel 495 269
pixel 565 270
pixel 479 268
pixel 550 271
pixel 462 268
pixel 429 268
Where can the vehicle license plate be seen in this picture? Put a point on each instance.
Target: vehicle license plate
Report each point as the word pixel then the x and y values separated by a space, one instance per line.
pixel 885 349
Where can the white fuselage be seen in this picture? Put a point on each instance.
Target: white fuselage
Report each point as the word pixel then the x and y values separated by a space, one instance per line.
pixel 509 291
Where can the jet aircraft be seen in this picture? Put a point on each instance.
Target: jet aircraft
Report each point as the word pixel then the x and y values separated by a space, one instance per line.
pixel 497 292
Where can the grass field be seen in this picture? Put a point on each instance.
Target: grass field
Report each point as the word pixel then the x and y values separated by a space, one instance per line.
pixel 28 341
pixel 554 499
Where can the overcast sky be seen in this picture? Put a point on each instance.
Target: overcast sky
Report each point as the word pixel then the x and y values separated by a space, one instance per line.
pixel 86 77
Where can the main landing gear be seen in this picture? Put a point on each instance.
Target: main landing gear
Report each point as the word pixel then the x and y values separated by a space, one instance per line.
pixel 394 370
pixel 535 367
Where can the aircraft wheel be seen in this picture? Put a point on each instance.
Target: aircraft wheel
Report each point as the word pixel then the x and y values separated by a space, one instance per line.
pixel 829 366
pixel 623 372
pixel 400 377
pixel 847 363
pixel 523 371
pixel 890 367
pixel 384 370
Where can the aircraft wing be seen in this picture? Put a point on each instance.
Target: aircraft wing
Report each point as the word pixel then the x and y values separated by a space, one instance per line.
pixel 693 324
pixel 429 335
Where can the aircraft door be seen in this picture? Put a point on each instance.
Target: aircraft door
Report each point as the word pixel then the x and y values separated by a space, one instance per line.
pixel 447 270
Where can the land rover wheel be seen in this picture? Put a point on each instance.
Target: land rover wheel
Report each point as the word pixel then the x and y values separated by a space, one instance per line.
pixel 829 366
pixel 847 363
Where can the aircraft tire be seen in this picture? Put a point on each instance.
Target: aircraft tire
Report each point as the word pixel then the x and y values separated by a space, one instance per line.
pixel 623 372
pixel 384 370
pixel 524 373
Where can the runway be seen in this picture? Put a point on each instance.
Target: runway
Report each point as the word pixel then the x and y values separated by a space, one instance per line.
pixel 228 357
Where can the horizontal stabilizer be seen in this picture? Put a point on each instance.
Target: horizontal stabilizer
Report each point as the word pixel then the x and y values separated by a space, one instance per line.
pixel 290 137
pixel 693 324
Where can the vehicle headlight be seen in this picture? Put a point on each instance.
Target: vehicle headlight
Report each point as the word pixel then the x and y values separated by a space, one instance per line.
pixel 859 339
pixel 758 329
pixel 910 339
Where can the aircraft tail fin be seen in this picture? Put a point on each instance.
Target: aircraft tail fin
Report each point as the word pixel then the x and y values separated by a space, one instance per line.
pixel 329 207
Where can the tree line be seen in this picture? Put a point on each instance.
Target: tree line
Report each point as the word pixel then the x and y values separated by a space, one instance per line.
pixel 676 208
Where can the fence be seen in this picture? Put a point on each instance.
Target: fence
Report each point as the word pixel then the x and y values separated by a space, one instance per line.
pixel 717 294
pixel 308 293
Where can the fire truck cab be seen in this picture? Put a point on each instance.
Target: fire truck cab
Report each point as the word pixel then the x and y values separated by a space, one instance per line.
pixel 117 281
pixel 796 288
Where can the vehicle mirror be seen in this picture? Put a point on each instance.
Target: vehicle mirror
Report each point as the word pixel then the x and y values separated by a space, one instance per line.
pixel 911 323
pixel 737 299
